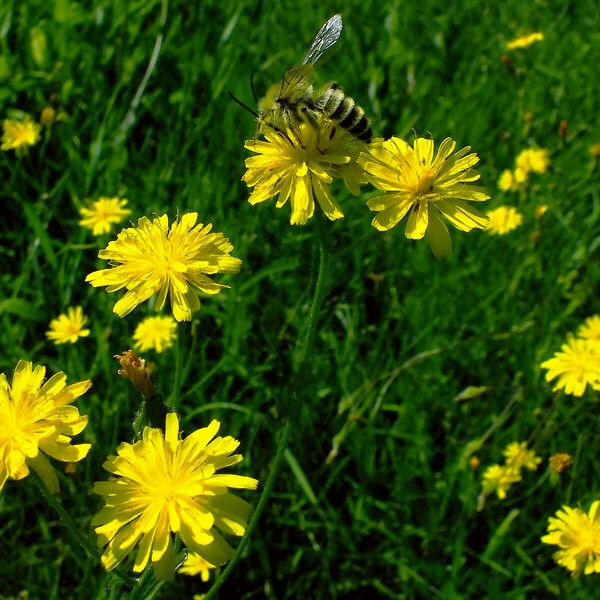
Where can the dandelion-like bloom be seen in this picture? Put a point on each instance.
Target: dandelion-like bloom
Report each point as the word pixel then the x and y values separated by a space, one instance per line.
pixel 525 40
pixel 424 187
pixel 533 159
pixel 195 565
pixel 37 419
pixel 103 213
pixel 503 220
pixel 560 462
pixel 18 134
pixel 498 479
pixel 165 485
pixel 154 258
pixel 300 164
pixel 512 180
pixel 590 330
pixel 578 536
pixel 68 327
pixel 576 366
pixel 518 456
pixel 156 333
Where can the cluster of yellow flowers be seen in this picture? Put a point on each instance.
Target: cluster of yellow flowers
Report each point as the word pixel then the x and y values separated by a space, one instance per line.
pixel 499 478
pixel 532 160
pixel 577 365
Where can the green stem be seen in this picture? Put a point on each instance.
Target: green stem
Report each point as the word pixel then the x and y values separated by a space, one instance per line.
pixel 73 529
pixel 290 423
pixel 173 398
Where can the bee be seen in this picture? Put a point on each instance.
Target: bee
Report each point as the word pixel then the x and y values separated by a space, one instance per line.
pixel 293 100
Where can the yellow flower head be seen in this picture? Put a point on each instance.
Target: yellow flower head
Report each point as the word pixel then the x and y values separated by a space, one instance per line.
pixel 540 211
pixel 518 456
pixel 577 534
pixel 101 214
pixel 154 258
pixel 424 186
pixel 135 369
pixel 498 479
pixel 590 330
pixel 69 327
pixel 512 180
pixel 38 419
pixel 300 164
pixel 162 485
pixel 18 134
pixel 576 366
pixel 533 159
pixel 155 332
pixel 559 462
pixel 525 40
pixel 503 219
pixel 195 565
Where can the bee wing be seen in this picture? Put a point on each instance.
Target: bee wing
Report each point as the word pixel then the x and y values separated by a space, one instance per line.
pixel 296 83
pixel 328 35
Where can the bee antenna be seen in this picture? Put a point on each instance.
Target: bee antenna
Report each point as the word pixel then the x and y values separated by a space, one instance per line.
pixel 245 106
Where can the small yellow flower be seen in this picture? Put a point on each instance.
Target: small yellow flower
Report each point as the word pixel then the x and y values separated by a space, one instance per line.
pixel 300 165
pixel 559 462
pixel 506 181
pixel 196 565
pixel 174 261
pixel 155 332
pixel 525 40
pixel 518 456
pixel 36 420
pixel 533 159
pixel 540 211
pixel 595 150
pixel 425 186
pixel 590 330
pixel 69 327
pixel 101 214
pixel 162 485
pixel 577 534
pixel 47 116
pixel 503 220
pixel 498 479
pixel 576 366
pixel 18 134
pixel 135 369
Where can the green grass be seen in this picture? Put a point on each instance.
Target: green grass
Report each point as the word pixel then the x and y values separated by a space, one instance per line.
pixel 393 514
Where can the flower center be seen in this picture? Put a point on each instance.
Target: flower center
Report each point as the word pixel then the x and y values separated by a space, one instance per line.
pixel 588 540
pixel 424 183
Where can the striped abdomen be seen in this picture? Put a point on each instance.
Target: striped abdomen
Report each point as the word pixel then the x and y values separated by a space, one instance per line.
pixel 343 110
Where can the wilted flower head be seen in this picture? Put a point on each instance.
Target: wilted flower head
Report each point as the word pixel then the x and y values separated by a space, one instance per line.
pixel 100 215
pixel 503 220
pixel 577 534
pixel 69 327
pixel 525 40
pixel 174 261
pixel 37 419
pixel 498 479
pixel 18 134
pixel 156 333
pixel 300 164
pixel 135 369
pixel 559 462
pixel 425 186
pixel 576 366
pixel 518 456
pixel 162 485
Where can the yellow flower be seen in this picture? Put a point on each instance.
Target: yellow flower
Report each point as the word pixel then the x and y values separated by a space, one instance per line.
pixel 424 187
pixel 525 40
pixel 595 150
pixel 195 565
pixel 47 116
pixel 506 181
pixel 155 332
pixel 498 479
pixel 37 419
pixel 155 259
pixel 533 159
pixel 540 211
pixel 578 536
pixel 300 164
pixel 590 330
pixel 576 366
pixel 165 485
pixel 503 219
pixel 101 214
pixel 17 134
pixel 559 462
pixel 518 456
pixel 69 327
